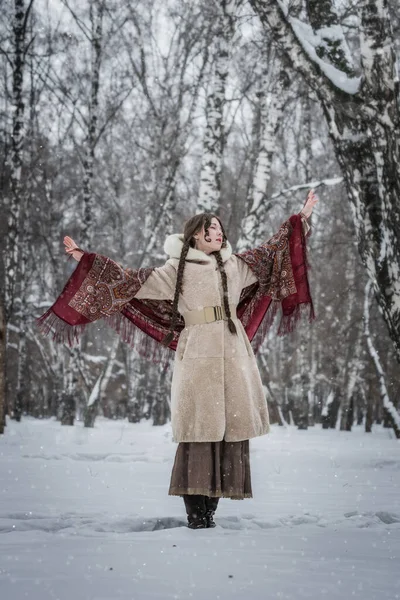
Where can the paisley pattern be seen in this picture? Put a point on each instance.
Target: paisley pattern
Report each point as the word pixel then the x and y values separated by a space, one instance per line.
pixel 271 264
pixel 107 288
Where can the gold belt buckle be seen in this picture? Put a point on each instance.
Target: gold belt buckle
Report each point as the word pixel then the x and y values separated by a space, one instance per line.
pixel 218 313
pixel 209 314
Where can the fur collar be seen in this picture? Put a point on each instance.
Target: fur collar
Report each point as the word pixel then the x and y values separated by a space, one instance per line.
pixel 173 247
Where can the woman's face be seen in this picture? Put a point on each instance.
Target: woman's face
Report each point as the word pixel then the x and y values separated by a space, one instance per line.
pixel 211 242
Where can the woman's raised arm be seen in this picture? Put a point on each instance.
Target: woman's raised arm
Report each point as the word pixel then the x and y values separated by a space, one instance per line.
pixel 160 285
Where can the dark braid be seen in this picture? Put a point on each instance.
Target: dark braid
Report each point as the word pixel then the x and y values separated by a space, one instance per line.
pixel 231 324
pixel 178 290
pixel 191 227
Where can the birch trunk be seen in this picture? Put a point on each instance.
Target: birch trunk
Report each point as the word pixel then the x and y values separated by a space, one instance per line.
pixel 355 367
pixel 213 143
pixel 353 350
pixel 96 19
pixel 2 367
pixel 161 409
pixel 11 261
pixel 137 384
pixel 274 408
pixel 69 394
pixel 390 410
pixel 363 124
pixel 331 408
pixel 100 387
pixel 273 94
pixel 304 383
pixel 15 259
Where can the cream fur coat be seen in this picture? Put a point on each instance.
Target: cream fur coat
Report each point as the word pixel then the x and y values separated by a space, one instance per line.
pixel 216 388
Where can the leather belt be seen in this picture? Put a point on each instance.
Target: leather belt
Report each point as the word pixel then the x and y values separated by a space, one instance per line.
pixel 208 314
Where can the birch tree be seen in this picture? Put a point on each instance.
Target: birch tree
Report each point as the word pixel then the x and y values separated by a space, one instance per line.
pixel 15 203
pixel 2 366
pixel 16 57
pixel 272 95
pixel 100 387
pixel 213 141
pixel 352 328
pixel 362 114
pixel 388 406
pixel 96 12
pixel 303 354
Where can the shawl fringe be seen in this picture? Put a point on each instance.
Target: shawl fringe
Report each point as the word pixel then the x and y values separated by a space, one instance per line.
pixel 139 340
pixel 50 325
pixel 288 323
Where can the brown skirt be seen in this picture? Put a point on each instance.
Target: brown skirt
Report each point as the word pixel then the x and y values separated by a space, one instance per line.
pixel 214 469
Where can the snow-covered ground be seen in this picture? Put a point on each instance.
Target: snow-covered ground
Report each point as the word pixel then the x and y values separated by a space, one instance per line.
pixel 85 515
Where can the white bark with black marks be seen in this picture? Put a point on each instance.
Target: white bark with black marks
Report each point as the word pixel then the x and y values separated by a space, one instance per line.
pixel 96 42
pixel 213 142
pixel 364 126
pixel 17 59
pixel 387 403
pixel 272 95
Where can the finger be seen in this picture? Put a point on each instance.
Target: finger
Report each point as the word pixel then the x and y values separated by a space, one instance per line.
pixel 69 241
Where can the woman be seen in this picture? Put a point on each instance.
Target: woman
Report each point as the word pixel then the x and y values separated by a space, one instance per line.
pixel 207 304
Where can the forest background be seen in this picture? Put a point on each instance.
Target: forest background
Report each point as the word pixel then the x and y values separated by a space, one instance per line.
pixel 119 120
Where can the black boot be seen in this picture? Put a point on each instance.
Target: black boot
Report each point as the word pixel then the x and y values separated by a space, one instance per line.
pixel 211 507
pixel 195 509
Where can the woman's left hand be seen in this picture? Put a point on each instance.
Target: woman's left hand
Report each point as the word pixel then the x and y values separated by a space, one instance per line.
pixel 312 199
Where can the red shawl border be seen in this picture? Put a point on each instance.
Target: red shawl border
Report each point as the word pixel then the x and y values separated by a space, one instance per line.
pixel 257 310
pixel 100 288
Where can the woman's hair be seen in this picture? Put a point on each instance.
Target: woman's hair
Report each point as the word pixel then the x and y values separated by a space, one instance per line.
pixel 193 226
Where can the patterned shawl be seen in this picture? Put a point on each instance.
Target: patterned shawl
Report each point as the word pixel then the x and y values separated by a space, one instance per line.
pixel 100 288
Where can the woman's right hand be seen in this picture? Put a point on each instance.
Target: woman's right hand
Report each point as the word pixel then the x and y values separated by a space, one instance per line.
pixel 72 248
pixel 312 199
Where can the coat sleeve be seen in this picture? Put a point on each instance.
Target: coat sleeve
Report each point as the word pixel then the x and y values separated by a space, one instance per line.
pixel 245 274
pixel 160 285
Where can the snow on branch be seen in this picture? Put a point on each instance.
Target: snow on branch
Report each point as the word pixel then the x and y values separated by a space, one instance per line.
pixel 308 185
pixel 310 40
pixel 298 41
pixel 94 359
